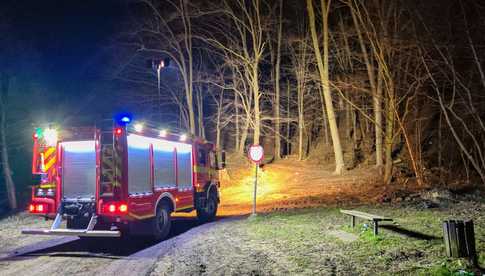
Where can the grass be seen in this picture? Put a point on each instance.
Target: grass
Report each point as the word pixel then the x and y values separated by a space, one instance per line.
pixel 304 238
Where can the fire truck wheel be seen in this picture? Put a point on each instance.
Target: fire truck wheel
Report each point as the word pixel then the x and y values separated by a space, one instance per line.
pixel 209 212
pixel 161 222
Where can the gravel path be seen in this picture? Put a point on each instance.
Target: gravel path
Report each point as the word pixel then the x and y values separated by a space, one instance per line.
pixel 217 248
pixel 189 251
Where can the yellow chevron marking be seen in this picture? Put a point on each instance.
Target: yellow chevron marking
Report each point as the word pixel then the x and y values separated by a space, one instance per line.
pixel 49 151
pixel 142 217
pixel 184 207
pixel 50 163
pixel 42 164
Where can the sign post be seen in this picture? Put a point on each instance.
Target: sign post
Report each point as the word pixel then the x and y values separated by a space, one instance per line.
pixel 256 155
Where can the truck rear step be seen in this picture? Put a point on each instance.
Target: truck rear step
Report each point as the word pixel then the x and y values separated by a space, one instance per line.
pixel 73 232
pixel 55 230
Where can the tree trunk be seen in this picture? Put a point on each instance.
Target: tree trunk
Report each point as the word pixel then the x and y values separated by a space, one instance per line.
pixel 324 118
pixel 200 113
pixel 277 142
pixel 190 105
pixel 301 122
pixel 236 108
pixel 189 67
pixel 375 89
pixel 257 114
pixel 323 68
pixel 389 136
pixel 288 117
pixel 218 130
pixel 378 118
pixel 7 173
pixel 218 120
pixel 244 136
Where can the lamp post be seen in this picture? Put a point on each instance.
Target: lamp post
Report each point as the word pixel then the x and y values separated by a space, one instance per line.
pixel 256 155
pixel 157 65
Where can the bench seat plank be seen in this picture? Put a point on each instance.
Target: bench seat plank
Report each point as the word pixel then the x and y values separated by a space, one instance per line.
pixel 365 215
pixel 375 218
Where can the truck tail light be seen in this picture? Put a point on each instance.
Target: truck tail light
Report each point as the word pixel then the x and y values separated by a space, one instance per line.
pixel 123 208
pixel 112 208
pixel 115 208
pixel 38 208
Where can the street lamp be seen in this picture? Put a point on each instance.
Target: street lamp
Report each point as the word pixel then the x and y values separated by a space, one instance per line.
pixel 157 65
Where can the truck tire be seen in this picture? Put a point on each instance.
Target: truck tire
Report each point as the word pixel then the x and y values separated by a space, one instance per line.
pixel 209 212
pixel 161 223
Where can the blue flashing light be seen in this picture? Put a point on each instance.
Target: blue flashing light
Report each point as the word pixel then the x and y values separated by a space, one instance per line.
pixel 123 118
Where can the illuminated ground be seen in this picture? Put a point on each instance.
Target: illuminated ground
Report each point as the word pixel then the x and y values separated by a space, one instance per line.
pixel 285 239
pixel 291 184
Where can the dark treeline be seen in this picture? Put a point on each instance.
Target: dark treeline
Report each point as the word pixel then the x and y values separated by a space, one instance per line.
pixel 396 84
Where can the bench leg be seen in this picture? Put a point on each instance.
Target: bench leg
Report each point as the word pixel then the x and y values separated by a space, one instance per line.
pixel 376 227
pixel 352 221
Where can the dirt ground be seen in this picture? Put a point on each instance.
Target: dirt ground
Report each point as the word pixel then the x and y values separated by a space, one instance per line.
pixel 282 240
pixel 291 184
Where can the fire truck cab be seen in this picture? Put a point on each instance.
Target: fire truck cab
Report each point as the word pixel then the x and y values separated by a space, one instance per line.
pixel 121 180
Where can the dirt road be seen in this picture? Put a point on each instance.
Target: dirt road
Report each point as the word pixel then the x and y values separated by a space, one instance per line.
pixel 192 249
pixel 67 255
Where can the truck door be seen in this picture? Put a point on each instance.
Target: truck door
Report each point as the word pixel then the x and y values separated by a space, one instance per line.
pixel 140 188
pixel 185 197
pixel 202 167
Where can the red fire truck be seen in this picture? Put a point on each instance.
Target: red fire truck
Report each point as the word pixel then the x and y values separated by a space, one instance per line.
pixel 123 179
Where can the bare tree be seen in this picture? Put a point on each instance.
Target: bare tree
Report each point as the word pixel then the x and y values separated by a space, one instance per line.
pixel 323 68
pixel 7 172
pixel 300 60
pixel 375 84
pixel 172 35
pixel 245 47
pixel 277 79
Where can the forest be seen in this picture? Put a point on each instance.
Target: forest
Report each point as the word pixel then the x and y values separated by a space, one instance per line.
pixel 391 84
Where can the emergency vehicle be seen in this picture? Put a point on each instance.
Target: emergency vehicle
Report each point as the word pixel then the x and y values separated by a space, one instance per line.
pixel 121 179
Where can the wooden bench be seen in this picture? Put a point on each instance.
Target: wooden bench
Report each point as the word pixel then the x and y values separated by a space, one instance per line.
pixel 374 218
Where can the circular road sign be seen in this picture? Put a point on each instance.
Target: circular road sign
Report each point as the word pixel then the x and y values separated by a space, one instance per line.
pixel 256 153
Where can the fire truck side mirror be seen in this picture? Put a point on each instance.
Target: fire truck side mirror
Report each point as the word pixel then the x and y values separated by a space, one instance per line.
pixel 222 162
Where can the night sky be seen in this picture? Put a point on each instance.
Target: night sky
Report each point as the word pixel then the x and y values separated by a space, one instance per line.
pixel 71 41
pixel 59 53
pixel 67 33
